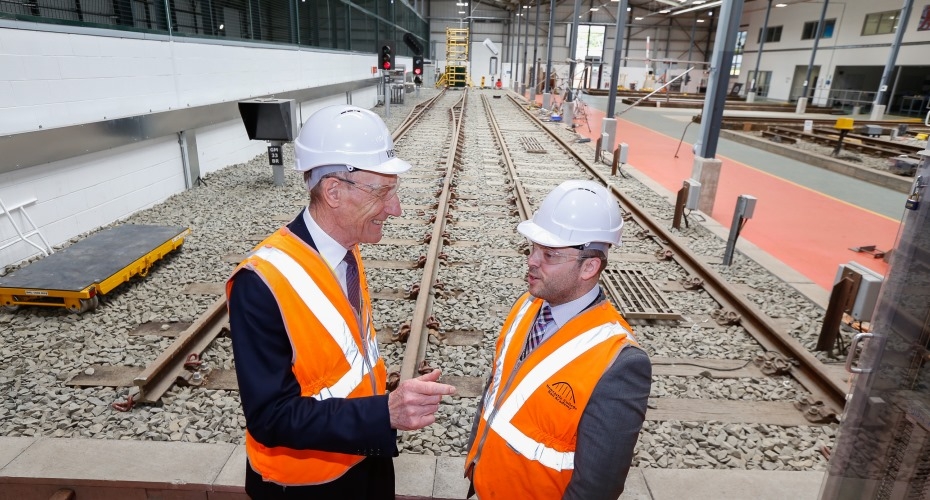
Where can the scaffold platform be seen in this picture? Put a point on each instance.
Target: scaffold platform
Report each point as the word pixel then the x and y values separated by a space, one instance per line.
pixel 77 276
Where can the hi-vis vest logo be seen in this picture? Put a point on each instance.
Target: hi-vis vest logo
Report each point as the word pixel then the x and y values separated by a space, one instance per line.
pixel 563 393
pixel 390 153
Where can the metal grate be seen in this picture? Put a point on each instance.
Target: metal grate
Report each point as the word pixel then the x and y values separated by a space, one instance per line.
pixel 532 145
pixel 635 296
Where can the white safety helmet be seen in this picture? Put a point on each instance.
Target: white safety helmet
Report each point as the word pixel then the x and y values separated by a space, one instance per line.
pixel 576 213
pixel 345 138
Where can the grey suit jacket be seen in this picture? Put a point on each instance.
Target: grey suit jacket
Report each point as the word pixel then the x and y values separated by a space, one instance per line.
pixel 608 429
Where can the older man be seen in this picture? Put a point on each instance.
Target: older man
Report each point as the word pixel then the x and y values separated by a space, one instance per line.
pixel 567 395
pixel 319 423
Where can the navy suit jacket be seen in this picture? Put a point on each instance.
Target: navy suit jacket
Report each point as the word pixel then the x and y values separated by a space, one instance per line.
pixel 275 412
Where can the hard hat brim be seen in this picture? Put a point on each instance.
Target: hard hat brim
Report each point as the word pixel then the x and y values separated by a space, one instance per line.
pixel 536 234
pixel 392 166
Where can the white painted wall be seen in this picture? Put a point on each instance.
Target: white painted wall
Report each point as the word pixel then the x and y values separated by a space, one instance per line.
pixel 77 195
pixel 50 79
pixel 846 48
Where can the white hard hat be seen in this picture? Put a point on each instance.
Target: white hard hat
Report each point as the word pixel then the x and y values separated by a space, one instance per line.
pixel 575 213
pixel 348 137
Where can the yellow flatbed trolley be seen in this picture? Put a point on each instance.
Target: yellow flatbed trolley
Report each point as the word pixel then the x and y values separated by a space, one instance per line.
pixel 75 277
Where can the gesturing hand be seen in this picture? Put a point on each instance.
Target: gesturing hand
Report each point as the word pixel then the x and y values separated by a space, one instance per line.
pixel 414 403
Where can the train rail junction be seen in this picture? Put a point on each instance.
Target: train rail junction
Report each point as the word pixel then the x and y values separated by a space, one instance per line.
pixel 737 383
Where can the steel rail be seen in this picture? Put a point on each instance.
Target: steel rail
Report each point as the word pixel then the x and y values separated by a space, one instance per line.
pixel 415 351
pixel 165 370
pixel 415 114
pixel 809 371
pixel 522 200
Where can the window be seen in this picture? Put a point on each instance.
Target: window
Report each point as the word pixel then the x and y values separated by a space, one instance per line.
pixel 738 53
pixel 880 23
pixel 762 82
pixel 810 29
pixel 772 34
pixel 590 41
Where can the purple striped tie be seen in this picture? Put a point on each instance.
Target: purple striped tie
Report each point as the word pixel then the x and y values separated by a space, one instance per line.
pixel 352 287
pixel 538 330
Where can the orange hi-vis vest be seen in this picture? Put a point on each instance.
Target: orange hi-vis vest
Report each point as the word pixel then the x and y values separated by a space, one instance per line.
pixel 331 357
pixel 525 442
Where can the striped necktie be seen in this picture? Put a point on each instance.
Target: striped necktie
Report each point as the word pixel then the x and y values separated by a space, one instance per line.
pixel 538 330
pixel 352 286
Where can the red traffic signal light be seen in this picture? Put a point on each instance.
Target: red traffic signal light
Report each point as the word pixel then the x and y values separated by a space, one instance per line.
pixel 417 65
pixel 386 57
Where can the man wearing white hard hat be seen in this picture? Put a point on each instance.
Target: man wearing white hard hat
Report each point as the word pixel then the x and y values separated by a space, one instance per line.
pixel 319 423
pixel 567 395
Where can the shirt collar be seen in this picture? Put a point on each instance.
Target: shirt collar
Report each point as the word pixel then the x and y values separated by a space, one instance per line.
pixel 331 251
pixel 562 313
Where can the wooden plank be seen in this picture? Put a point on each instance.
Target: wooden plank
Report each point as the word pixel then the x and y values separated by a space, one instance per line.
pixel 465 387
pixel 221 379
pixel 397 242
pixel 632 257
pixel 390 264
pixel 721 410
pixel 715 368
pixel 204 289
pixel 465 243
pixel 406 222
pixel 504 252
pixel 105 376
pixel 234 258
pixel 389 295
pixel 161 328
pixel 464 337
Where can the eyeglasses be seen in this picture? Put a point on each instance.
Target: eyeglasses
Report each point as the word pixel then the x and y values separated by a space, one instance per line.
pixel 551 257
pixel 382 192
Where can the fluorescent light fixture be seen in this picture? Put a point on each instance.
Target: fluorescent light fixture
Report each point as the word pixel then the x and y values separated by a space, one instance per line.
pixel 462 12
pixel 700 20
pixel 629 9
pixel 461 4
pixel 699 2
pixel 638 18
pixel 698 7
pixel 665 11
pixel 780 5
pixel 526 6
pixel 595 9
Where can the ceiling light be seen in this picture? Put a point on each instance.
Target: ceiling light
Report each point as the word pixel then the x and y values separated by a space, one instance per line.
pixel 461 4
pixel 700 20
pixel 699 2
pixel 698 7
pixel 638 18
pixel 461 12
pixel 595 9
pixel 665 11
pixel 780 5
pixel 629 9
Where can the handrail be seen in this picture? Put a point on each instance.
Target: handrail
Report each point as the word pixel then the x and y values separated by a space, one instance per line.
pixel 641 99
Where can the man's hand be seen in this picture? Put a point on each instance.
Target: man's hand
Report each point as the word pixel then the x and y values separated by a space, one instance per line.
pixel 413 404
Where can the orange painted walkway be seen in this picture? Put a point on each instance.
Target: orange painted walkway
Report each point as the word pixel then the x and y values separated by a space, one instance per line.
pixel 807 230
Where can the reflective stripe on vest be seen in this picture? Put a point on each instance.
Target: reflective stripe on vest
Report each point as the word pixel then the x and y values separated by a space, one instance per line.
pixel 498 375
pixel 326 313
pixel 560 358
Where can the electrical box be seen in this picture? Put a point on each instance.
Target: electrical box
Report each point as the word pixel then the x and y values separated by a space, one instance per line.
pixel 694 193
pixel 270 119
pixel 624 152
pixel 873 130
pixel 750 205
pixel 866 285
pixel 844 124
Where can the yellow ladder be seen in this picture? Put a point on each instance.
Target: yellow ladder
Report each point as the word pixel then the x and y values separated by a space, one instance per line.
pixel 456 74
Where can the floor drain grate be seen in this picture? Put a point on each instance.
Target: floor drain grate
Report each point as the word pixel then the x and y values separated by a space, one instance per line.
pixel 532 145
pixel 635 296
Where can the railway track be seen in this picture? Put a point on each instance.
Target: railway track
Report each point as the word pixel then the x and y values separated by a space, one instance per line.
pixel 449 268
